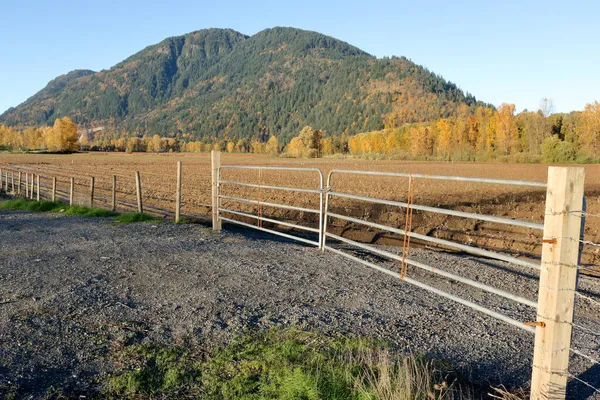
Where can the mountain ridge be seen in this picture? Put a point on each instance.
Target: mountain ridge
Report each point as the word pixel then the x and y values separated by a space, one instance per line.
pixel 221 84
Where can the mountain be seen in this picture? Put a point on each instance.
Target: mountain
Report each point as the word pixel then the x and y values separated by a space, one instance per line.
pixel 220 84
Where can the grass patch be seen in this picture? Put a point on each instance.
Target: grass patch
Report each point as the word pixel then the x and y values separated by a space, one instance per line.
pixel 278 364
pixel 51 206
pixel 89 212
pixel 31 205
pixel 134 217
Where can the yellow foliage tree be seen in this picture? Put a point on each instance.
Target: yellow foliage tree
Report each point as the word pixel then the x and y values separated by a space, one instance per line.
pixel 272 146
pixel 63 136
pixel 590 127
pixel 444 138
pixel 507 134
pixel 230 147
pixel 422 141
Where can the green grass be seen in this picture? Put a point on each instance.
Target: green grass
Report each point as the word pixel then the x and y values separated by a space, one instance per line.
pixel 51 206
pixel 134 217
pixel 278 364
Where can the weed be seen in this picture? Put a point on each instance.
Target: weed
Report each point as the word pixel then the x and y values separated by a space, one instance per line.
pixel 134 217
pixel 276 364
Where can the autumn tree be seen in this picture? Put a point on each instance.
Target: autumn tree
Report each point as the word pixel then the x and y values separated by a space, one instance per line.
pixel 272 146
pixel 422 141
pixel 63 136
pixel 590 127
pixel 507 134
pixel 307 144
pixel 444 138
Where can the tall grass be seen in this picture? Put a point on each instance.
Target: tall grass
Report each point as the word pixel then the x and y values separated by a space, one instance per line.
pixel 277 364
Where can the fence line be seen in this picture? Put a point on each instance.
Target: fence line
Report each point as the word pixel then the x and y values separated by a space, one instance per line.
pixel 561 240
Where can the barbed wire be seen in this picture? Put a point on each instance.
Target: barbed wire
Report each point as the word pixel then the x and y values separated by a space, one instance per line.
pixel 589 358
pixel 595 389
pixel 588 298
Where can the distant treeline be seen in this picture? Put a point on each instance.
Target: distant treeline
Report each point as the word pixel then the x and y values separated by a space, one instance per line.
pixel 480 134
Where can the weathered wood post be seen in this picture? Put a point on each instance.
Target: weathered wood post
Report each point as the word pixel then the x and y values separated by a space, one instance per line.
pixel 215 165
pixel 31 187
pixel 114 193
pixel 178 194
pixel 92 192
pixel 558 280
pixel 19 182
pixel 26 185
pixel 6 182
pixel 138 186
pixel 1 181
pixel 72 191
pixel 37 188
pixel 54 189
pixel 12 182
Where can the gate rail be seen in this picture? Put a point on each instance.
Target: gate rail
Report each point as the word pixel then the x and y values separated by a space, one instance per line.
pixel 258 217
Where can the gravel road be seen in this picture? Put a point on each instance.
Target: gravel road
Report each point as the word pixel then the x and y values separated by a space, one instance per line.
pixel 70 287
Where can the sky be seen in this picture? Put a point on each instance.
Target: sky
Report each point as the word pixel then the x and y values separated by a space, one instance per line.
pixel 502 52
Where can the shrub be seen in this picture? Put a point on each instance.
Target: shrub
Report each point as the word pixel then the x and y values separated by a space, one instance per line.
pixel 555 150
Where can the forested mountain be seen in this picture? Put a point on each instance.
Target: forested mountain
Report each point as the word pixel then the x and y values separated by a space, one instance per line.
pixel 218 84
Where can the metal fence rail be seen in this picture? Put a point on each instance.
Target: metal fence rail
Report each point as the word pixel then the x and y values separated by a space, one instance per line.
pixel 260 203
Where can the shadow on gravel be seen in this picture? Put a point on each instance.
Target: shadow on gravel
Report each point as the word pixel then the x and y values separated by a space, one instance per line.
pixel 579 390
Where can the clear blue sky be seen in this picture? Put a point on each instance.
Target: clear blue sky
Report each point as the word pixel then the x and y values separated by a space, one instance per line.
pixel 509 51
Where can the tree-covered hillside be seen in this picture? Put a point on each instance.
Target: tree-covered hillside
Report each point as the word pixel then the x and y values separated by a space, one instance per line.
pixel 218 84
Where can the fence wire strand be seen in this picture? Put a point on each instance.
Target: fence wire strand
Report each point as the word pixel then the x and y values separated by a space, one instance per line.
pixel 595 389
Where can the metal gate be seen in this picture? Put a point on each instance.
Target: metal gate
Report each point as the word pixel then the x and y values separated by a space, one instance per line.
pixel 259 203
pixel 407 234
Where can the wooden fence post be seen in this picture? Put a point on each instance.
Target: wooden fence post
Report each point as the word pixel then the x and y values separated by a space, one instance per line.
pixel 558 281
pixel 37 187
pixel 72 191
pixel 138 186
pixel 31 187
pixel 114 193
pixel 12 182
pixel 92 192
pixel 178 194
pixel 215 165
pixel 19 182
pixel 54 189
pixel 1 182
pixel 26 185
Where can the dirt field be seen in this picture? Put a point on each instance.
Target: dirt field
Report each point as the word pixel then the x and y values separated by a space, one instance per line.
pixel 159 179
pixel 73 291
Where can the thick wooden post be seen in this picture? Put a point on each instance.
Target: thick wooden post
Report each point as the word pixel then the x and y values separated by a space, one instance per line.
pixel 54 189
pixel 178 194
pixel 215 165
pixel 72 192
pixel 19 184
pixel 37 188
pixel 12 182
pixel 114 193
pixel 558 281
pixel 92 192
pixel 26 185
pixel 138 186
